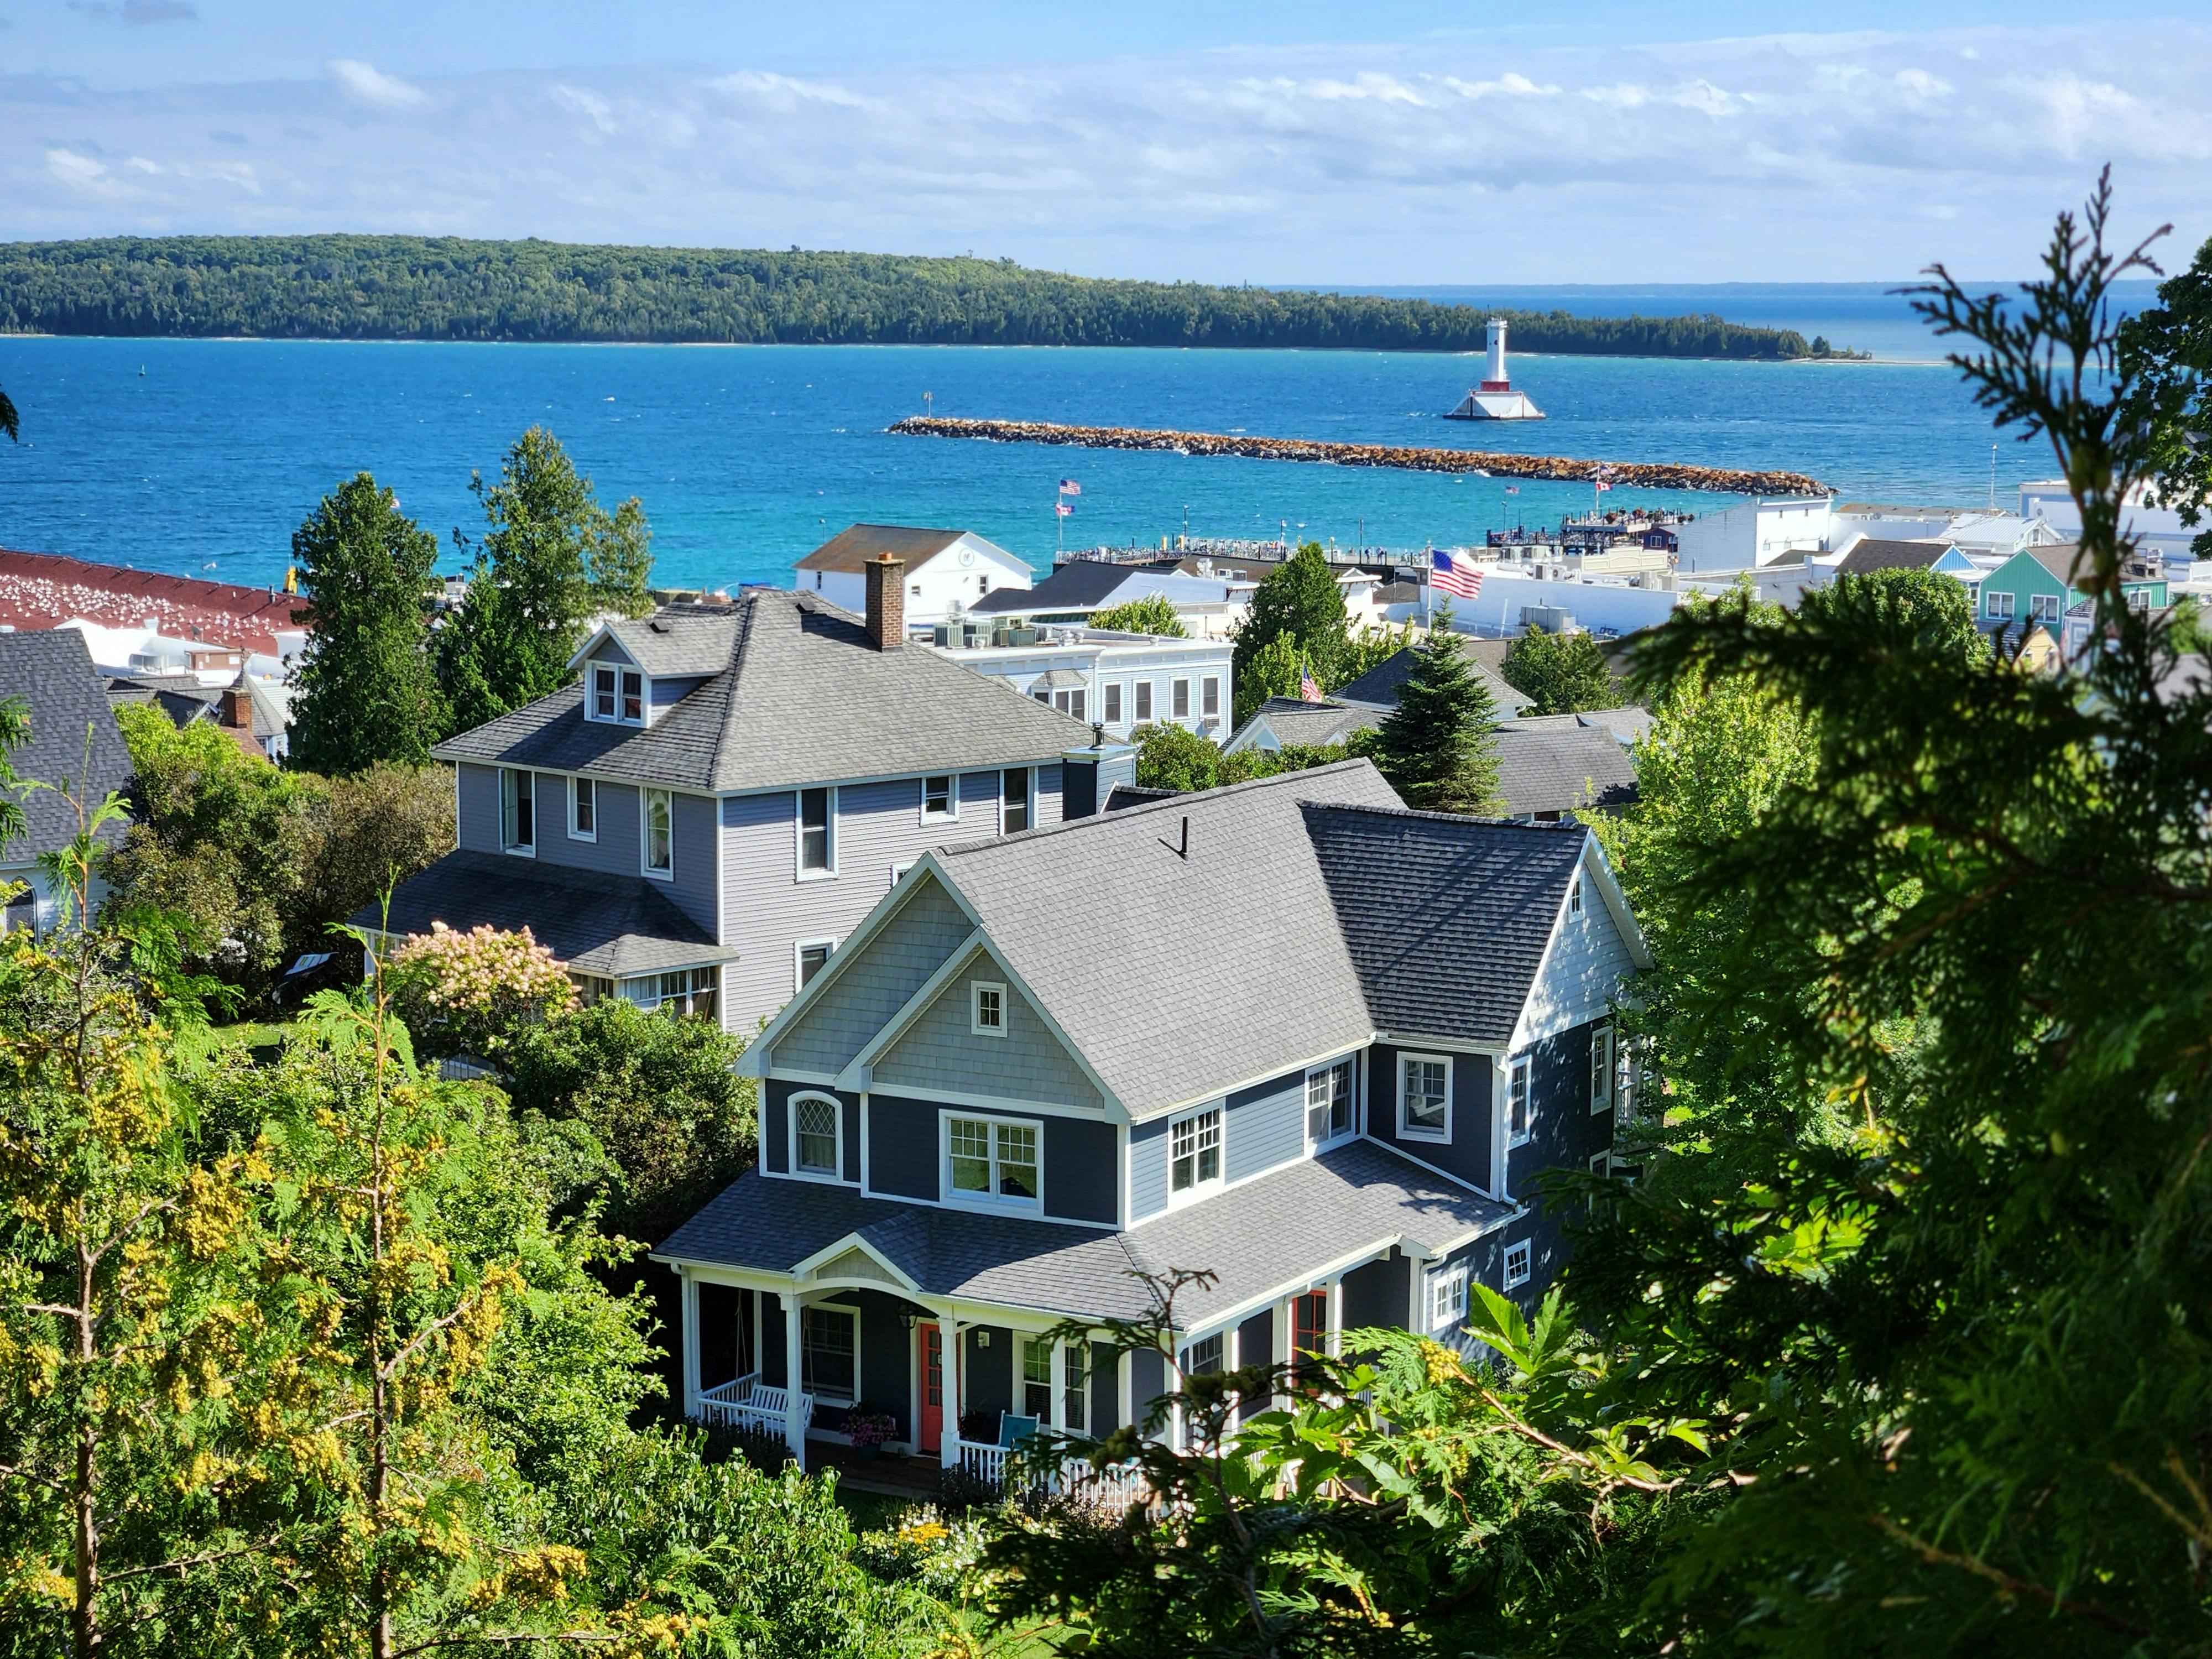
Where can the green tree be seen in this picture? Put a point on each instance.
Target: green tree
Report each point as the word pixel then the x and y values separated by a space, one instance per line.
pixel 1154 614
pixel 10 422
pixel 1436 746
pixel 350 839
pixel 1934 607
pixel 2167 351
pixel 550 555
pixel 366 689
pixel 1275 669
pixel 1371 647
pixel 1563 673
pixel 1301 601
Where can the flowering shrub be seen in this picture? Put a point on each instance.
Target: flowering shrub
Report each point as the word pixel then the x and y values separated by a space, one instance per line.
pixel 468 994
pixel 869 1427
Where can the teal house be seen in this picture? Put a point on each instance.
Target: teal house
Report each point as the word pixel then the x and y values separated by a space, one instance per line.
pixel 2037 585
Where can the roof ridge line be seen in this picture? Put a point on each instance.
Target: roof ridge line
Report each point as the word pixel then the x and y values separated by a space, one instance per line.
pixel 1432 816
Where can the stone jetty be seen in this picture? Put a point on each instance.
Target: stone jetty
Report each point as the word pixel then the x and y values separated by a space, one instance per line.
pixel 1647 475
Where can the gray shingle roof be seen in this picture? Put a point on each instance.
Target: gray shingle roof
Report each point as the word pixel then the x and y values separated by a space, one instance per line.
pixel 51 671
pixel 801 698
pixel 1079 585
pixel 1445 918
pixel 1294 720
pixel 1872 553
pixel 1381 685
pixel 1257 1235
pixel 680 641
pixel 852 547
pixel 595 923
pixel 1543 770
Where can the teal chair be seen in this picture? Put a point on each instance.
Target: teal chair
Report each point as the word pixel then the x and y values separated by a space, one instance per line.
pixel 1013 1429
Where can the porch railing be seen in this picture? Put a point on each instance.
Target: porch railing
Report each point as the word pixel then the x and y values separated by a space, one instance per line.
pixel 1117 1486
pixel 748 1403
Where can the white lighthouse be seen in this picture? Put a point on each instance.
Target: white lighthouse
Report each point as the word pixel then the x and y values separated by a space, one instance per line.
pixel 1495 400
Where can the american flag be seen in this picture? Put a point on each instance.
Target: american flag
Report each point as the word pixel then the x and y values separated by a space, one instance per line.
pixel 1309 688
pixel 1062 509
pixel 1513 489
pixel 1604 476
pixel 1455 573
pixel 1069 486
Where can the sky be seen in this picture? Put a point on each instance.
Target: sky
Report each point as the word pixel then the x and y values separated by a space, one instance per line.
pixel 1605 141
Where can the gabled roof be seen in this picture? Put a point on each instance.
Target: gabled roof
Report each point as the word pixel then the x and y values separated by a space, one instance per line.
pixel 51 671
pixel 1380 685
pixel 1293 720
pixel 594 922
pixel 1869 554
pixel 1543 768
pixel 800 697
pixel 670 642
pixel 852 548
pixel 1079 585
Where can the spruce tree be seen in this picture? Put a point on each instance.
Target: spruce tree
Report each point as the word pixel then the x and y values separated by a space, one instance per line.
pixel 366 690
pixel 1436 748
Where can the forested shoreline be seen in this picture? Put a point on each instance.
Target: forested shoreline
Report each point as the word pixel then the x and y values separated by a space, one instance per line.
pixel 410 288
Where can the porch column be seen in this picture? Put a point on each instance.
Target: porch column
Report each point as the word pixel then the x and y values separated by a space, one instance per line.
pixel 690 1345
pixel 948 1432
pixel 1281 1321
pixel 1335 1343
pixel 794 1432
pixel 1056 1407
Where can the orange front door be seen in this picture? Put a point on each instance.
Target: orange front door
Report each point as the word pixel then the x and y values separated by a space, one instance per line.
pixel 933 1385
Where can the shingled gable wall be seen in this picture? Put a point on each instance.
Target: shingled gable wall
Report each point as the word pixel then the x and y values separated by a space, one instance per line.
pixel 939 1051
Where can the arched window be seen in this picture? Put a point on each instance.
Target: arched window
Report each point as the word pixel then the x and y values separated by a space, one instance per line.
pixel 817 1126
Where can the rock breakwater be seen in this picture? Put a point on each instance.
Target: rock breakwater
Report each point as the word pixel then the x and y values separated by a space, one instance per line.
pixel 1647 475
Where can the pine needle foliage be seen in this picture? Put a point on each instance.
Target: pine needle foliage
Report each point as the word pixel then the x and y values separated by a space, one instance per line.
pixel 1436 746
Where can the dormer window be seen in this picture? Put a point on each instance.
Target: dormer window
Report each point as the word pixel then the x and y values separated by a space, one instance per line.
pixel 617 695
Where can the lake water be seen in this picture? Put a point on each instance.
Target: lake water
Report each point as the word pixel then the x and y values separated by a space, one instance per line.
pixel 746 457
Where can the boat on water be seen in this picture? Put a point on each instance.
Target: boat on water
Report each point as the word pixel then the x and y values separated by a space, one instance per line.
pixel 1496 399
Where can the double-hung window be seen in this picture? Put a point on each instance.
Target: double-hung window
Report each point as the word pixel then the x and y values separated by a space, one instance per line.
pixel 1110 697
pixel 1182 704
pixel 1070 702
pixel 990 1160
pixel 1194 1153
pixel 1520 1110
pixel 816 1131
pixel 1014 801
pixel 1517 1259
pixel 939 802
pixel 1424 1098
pixel 583 810
pixel 1328 1103
pixel 1447 1299
pixel 818 837
pixel 1996 605
pixel 518 810
pixel 812 956
pixel 1037 1378
pixel 1602 1069
pixel 830 1341
pixel 1209 703
pixel 604 683
pixel 633 697
pixel 659 838
pixel 1075 1387
pixel 1144 701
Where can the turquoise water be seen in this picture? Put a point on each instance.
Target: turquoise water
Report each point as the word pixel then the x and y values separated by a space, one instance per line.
pixel 746 457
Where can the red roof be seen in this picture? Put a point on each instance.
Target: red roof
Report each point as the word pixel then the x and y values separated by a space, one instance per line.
pixel 40 590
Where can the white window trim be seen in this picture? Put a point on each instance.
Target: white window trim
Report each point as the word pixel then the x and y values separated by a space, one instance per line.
pixel 527 849
pixel 1352 1132
pixel 1600 1164
pixel 1209 692
pixel 799 947
pixel 1526 1248
pixel 990 1202
pixel 799 837
pixel 1179 692
pixel 976 1026
pixel 644 695
pixel 1198 1189
pixel 1601 1046
pixel 923 815
pixel 1140 702
pixel 1575 894
pixel 1452 1279
pixel 853 1314
pixel 645 795
pixel 574 785
pixel 836 1178
pixel 1029 803
pixel 898 870
pixel 1110 702
pixel 1997 612
pixel 1407 1132
pixel 1528 1133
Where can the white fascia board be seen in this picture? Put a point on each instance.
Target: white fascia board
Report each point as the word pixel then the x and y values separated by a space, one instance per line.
pixel 1616 902
pixel 602 632
pixel 854 1242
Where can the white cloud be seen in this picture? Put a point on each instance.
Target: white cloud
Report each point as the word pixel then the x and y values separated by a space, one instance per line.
pixel 1921 82
pixel 784 89
pixel 1510 84
pixel 370 85
pixel 589 104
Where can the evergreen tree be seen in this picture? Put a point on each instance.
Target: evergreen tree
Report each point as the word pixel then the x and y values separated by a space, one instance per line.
pixel 366 689
pixel 1435 747
pixel 551 555
pixel 1565 674
pixel 9 423
pixel 1298 599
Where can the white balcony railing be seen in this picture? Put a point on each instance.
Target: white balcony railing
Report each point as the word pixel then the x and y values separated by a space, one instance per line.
pixel 1118 1485
pixel 747 1403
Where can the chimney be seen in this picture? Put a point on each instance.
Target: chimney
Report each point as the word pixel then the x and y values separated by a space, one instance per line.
pixel 886 602
pixel 238 709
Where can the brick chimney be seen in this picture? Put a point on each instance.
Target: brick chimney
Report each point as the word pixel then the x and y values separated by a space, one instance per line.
pixel 238 709
pixel 886 602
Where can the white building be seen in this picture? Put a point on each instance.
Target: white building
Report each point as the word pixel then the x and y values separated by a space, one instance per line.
pixel 1754 533
pixel 1512 600
pixel 947 571
pixel 2158 529
pixel 1119 681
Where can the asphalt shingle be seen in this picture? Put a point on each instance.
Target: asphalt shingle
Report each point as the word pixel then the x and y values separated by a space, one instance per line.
pixel 1542 769
pixel 51 671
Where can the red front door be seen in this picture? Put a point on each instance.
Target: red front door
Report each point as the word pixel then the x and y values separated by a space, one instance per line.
pixel 933 1385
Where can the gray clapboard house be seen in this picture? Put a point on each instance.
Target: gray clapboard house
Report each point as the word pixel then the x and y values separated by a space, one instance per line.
pixel 728 789
pixel 1030 1073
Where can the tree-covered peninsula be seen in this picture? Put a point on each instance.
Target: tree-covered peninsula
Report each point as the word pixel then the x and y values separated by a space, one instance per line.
pixel 413 288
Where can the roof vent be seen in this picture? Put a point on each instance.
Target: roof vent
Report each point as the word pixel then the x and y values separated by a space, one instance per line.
pixel 659 625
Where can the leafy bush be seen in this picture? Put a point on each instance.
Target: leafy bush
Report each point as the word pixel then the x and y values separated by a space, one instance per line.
pixel 474 992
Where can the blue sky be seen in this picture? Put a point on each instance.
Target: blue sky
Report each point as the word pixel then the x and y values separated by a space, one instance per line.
pixel 1385 142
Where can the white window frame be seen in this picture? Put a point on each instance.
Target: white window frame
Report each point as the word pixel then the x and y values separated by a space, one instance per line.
pixel 644 697
pixel 1315 1143
pixel 1217 1341
pixel 950 813
pixel 1179 699
pixel 579 789
pixel 1600 1164
pixel 645 798
pixel 1406 1130
pixel 1143 702
pixel 1526 1249
pixel 851 1312
pixel 1109 702
pixel 977 990
pixel 519 847
pixel 1575 894
pixel 798 950
pixel 1071 702
pixel 606 680
pixel 898 870
pixel 2000 603
pixel 1035 1348
pixel 1602 1065
pixel 2045 607
pixel 953 1197
pixel 1209 698
pixel 836 1174
pixel 1521 1072
pixel 1446 1291
pixel 798 836
pixel 1028 775
pixel 1201 1187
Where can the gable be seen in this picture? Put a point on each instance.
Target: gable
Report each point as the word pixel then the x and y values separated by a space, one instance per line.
pixel 882 974
pixel 609 649
pixel 1588 963
pixel 940 1053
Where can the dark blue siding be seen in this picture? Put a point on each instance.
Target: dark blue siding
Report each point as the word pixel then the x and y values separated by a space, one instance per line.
pixel 775 1125
pixel 1255 1345
pixel 1147 1383
pixel 1105 1390
pixel 1078 1156
pixel 989 1373
pixel 1565 1134
pixel 1375 1295
pixel 902 1146
pixel 1079 1164
pixel 886 1353
pixel 1148 1168
pixel 1466 1154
